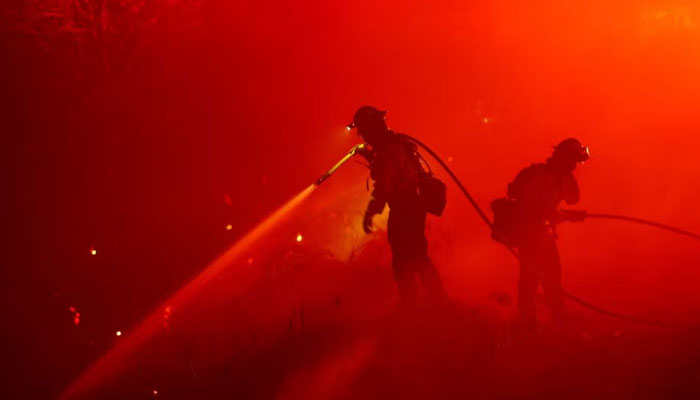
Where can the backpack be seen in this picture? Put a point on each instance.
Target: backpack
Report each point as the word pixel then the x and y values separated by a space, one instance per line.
pixel 506 228
pixel 432 192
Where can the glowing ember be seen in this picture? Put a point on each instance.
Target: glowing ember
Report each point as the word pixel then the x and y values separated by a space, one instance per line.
pixel 166 317
pixel 76 315
pixel 119 333
pixel 299 238
pixel 93 251
pixel 229 227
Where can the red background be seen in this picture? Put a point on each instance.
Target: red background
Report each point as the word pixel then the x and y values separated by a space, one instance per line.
pixel 125 125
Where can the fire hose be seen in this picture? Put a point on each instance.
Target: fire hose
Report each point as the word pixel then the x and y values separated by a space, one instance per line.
pixel 510 247
pixel 645 222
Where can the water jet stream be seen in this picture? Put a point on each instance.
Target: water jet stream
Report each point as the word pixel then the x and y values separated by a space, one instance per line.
pixel 114 360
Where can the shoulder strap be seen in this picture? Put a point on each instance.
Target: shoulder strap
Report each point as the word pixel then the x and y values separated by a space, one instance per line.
pixel 416 155
pixel 420 156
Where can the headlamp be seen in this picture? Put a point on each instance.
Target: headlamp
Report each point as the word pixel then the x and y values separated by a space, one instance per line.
pixel 585 154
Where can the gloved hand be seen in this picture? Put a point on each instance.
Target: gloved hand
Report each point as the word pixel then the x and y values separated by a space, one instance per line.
pixel 367 223
pixel 574 215
pixel 374 207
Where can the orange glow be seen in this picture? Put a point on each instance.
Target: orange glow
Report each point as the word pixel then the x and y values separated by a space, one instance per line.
pixel 229 227
pixel 119 333
pixel 299 238
pixel 93 251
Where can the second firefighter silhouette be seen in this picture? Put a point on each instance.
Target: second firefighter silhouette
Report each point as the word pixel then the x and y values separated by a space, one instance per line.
pixel 398 176
pixel 527 219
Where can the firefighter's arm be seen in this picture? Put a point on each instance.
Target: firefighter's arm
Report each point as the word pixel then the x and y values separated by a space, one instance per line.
pixel 570 190
pixel 571 195
pixel 384 175
pixel 374 207
pixel 515 188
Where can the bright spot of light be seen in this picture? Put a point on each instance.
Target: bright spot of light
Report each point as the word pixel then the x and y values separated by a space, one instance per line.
pixel 119 333
pixel 76 315
pixel 93 251
pixel 155 392
pixel 229 227
pixel 299 238
pixel 348 128
pixel 486 120
pixel 166 317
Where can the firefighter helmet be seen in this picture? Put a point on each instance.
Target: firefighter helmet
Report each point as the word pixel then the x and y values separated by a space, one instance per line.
pixel 367 116
pixel 571 149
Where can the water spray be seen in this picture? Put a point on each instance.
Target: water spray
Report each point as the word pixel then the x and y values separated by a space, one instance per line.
pixel 114 361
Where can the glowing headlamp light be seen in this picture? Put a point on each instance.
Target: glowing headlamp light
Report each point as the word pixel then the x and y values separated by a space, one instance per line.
pixel 585 154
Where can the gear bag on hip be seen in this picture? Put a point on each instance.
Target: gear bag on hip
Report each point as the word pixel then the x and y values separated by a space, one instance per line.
pixel 506 222
pixel 432 193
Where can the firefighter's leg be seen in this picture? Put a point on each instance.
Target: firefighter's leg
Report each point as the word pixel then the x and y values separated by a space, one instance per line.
pixel 417 243
pixel 527 290
pixel 404 275
pixel 430 278
pixel 405 232
pixel 552 283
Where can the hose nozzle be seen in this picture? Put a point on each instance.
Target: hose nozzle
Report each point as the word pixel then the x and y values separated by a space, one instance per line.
pixel 357 149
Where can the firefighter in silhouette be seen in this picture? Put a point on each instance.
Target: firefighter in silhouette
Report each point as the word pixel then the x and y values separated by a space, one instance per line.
pixel 528 217
pixel 396 170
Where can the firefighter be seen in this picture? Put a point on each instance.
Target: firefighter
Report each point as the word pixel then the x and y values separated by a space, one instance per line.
pixel 396 171
pixel 536 193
